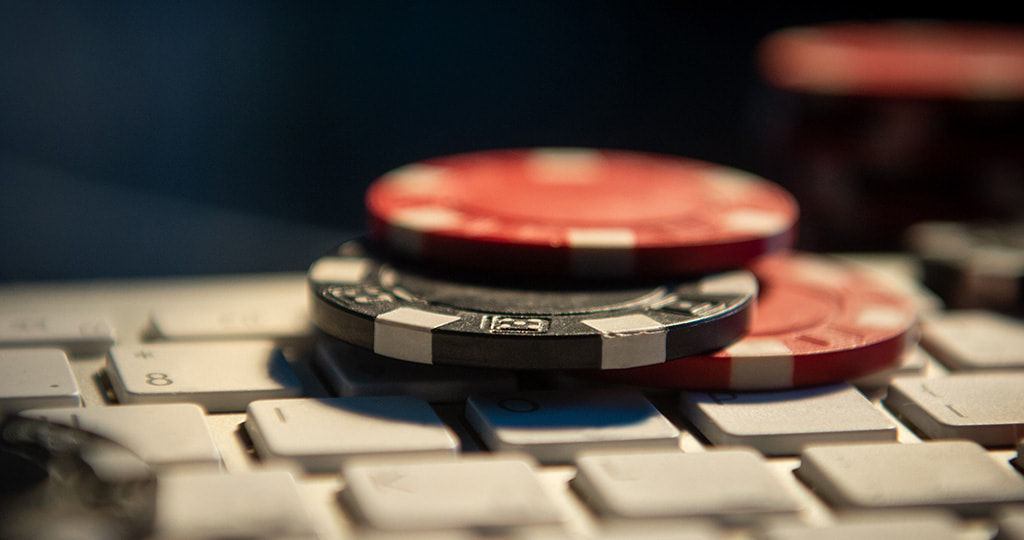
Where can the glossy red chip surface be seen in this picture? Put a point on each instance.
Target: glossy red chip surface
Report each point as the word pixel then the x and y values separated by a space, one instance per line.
pixel 819 320
pixel 579 212
pixel 898 58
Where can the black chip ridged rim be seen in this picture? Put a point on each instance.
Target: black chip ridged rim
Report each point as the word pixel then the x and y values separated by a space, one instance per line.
pixel 535 328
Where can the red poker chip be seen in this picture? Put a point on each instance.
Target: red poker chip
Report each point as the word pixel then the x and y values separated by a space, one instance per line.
pixel 819 320
pixel 927 59
pixel 579 212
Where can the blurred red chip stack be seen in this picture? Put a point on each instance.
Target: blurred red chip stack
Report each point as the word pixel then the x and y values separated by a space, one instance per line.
pixel 881 125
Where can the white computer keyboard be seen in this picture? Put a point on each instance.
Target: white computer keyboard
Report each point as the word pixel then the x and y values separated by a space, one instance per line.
pixel 256 427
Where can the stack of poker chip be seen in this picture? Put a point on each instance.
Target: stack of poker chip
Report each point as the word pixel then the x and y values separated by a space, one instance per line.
pixel 902 120
pixel 621 266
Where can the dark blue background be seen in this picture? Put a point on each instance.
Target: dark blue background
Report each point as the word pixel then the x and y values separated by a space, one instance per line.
pixel 145 137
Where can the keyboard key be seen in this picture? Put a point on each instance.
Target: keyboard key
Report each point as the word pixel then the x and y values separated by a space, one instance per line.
pixel 257 505
pixel 76 334
pixel 476 490
pixel 987 408
pixel 781 423
pixel 1011 523
pixel 888 525
pixel 552 426
pixel 957 475
pixel 306 430
pixel 354 371
pixel 733 485
pixel 200 322
pixel 975 340
pixel 159 434
pixel 221 377
pixel 36 378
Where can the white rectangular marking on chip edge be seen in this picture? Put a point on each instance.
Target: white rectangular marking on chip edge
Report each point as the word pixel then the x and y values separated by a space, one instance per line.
pixel 606 238
pixel 728 183
pixel 564 165
pixel 338 270
pixel 406 233
pixel 882 317
pixel 732 283
pixel 416 178
pixel 756 221
pixel 405 333
pixel 601 251
pixel 428 218
pixel 630 340
pixel 760 363
pixel 828 272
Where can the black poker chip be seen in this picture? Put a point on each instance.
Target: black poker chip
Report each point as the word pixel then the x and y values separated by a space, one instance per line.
pixel 420 315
